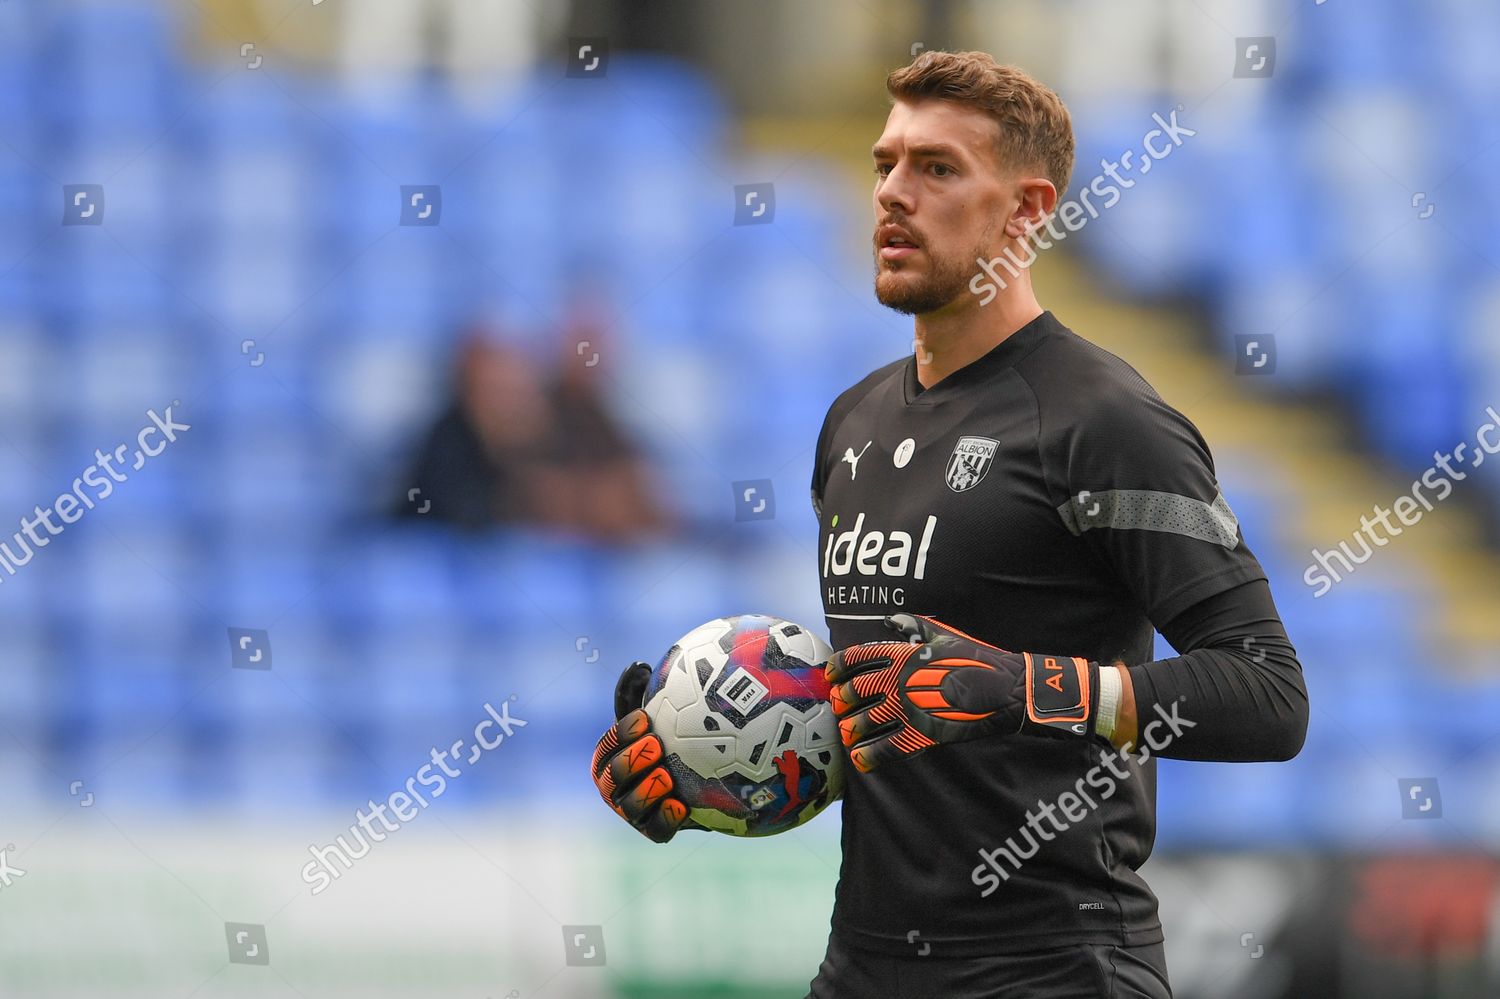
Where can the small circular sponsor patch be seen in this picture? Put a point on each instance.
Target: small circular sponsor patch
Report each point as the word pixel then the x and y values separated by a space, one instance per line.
pixel 904 451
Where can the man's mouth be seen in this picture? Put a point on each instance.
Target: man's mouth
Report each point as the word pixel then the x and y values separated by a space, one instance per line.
pixel 895 243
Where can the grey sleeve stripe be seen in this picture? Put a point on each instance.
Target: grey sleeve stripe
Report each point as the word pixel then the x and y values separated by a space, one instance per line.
pixel 1147 510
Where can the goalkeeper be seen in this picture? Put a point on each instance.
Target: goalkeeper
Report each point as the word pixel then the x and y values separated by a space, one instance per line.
pixel 1006 519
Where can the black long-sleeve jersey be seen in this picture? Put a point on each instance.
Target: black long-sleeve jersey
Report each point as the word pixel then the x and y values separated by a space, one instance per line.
pixel 1045 499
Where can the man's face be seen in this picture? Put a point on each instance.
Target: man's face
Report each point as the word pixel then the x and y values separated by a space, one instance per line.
pixel 941 198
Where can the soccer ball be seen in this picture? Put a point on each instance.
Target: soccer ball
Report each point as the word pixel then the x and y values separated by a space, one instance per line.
pixel 741 707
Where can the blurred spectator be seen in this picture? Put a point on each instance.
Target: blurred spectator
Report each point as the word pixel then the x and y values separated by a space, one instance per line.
pixel 514 447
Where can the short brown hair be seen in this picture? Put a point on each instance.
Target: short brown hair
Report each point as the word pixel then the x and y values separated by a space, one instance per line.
pixel 1035 128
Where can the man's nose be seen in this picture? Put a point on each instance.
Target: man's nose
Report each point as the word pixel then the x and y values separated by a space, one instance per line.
pixel 894 194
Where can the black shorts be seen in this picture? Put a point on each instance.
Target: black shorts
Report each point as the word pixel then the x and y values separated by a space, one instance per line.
pixel 1081 971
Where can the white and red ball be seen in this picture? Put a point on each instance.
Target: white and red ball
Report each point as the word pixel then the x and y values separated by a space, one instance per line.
pixel 748 735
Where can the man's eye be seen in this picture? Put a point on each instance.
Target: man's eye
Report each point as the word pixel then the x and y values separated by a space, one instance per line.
pixel 941 170
pixel 881 169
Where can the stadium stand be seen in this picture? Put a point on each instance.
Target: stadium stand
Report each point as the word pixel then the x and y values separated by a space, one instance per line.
pixel 220 244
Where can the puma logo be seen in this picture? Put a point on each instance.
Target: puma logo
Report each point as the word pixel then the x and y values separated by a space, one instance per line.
pixel 853 459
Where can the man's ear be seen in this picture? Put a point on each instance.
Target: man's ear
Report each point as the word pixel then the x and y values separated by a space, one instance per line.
pixel 1036 199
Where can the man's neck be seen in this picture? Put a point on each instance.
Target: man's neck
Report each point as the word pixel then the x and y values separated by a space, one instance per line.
pixel 945 342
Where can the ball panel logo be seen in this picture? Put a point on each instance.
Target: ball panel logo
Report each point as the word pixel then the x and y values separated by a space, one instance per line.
pixel 970 462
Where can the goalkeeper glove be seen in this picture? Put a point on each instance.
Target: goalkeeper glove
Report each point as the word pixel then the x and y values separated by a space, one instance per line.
pixel 937 685
pixel 627 764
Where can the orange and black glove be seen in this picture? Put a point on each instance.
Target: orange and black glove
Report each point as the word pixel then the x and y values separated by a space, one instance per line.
pixel 937 685
pixel 627 764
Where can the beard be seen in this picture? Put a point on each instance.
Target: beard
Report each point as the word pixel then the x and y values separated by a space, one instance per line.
pixel 901 289
pixel 947 278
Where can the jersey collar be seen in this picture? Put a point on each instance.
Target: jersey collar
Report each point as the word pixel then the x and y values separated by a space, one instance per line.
pixel 1004 355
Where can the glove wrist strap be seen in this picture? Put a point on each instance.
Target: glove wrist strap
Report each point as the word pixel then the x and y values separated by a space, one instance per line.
pixel 1061 694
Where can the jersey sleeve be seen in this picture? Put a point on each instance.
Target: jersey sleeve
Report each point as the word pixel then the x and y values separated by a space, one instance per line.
pixel 819 472
pixel 1134 480
pixel 1238 678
